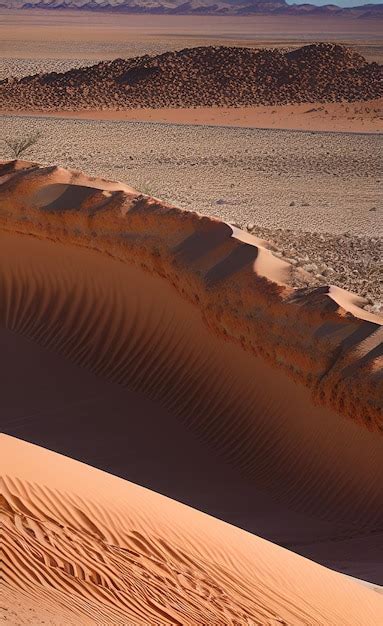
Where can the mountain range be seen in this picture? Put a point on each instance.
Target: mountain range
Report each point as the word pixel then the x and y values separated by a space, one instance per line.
pixel 198 7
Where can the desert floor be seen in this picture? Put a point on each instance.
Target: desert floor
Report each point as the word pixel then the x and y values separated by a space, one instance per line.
pixel 37 41
pixel 316 196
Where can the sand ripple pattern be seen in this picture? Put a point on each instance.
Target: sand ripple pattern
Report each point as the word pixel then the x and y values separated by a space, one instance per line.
pixel 133 329
pixel 318 336
pixel 216 353
pixel 285 385
pixel 129 556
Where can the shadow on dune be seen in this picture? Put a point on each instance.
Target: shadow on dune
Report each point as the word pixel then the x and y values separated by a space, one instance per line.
pixel 107 364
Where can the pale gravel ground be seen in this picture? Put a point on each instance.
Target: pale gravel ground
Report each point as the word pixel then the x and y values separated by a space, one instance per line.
pixel 41 59
pixel 25 67
pixel 46 54
pixel 18 67
pixel 284 183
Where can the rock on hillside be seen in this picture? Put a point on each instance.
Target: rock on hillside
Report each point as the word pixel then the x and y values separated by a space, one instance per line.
pixel 202 76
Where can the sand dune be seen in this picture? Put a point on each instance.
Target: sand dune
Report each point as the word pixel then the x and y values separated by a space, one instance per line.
pixel 165 347
pixel 240 287
pixel 99 550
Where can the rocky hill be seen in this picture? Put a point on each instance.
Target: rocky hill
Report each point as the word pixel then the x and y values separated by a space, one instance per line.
pixel 202 76
pixel 197 7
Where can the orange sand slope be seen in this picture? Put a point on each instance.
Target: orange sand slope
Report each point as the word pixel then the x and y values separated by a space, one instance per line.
pixel 319 337
pixel 91 337
pixel 93 549
pixel 169 349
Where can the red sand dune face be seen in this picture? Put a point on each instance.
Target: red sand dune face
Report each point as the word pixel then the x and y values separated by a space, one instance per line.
pixel 92 549
pixel 250 387
pixel 242 290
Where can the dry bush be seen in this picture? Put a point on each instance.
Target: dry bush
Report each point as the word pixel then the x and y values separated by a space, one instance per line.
pixel 17 147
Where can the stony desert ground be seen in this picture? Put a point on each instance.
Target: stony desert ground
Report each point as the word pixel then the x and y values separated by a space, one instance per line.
pixel 204 76
pixel 49 42
pixel 280 184
pixel 37 41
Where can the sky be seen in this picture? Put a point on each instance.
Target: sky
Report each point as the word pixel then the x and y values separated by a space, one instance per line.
pixel 339 3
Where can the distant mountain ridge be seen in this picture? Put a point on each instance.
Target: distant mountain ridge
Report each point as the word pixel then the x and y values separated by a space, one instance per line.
pixel 198 7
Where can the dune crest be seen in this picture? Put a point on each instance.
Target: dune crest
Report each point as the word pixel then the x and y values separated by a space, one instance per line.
pixel 319 337
pixel 96 549
pixel 160 337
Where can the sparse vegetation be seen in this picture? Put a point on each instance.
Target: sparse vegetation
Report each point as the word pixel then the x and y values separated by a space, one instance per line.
pixel 20 145
pixel 148 189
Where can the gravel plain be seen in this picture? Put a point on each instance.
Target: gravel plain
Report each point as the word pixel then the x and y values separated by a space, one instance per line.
pixel 316 196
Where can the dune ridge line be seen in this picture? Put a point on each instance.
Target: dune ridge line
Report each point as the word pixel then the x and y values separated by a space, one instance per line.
pixel 320 337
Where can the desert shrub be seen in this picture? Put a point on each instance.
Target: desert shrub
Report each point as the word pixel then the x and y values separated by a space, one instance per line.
pixel 20 145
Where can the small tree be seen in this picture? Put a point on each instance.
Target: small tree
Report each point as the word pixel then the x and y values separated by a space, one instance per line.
pixel 19 146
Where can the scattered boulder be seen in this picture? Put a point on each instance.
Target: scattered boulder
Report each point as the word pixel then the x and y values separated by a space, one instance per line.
pixel 310 267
